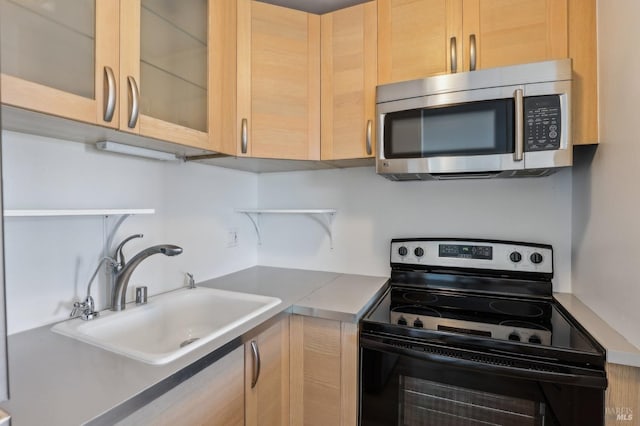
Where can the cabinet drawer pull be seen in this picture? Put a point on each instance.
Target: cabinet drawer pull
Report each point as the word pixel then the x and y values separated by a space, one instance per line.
pixel 134 102
pixel 109 94
pixel 453 54
pixel 255 355
pixel 368 138
pixel 472 52
pixel 244 136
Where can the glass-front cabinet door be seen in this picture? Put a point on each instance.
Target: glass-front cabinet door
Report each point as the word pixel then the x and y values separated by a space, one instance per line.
pixel 164 64
pixel 60 57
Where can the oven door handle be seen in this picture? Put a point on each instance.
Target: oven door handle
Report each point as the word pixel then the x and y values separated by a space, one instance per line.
pixel 373 343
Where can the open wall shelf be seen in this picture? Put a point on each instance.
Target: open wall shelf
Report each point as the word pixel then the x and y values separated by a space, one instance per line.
pixel 323 216
pixel 75 212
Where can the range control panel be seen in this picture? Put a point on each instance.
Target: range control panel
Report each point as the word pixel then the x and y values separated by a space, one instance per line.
pixel 542 123
pixel 476 254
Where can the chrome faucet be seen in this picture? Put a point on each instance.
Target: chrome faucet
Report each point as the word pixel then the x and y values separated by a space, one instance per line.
pixel 122 270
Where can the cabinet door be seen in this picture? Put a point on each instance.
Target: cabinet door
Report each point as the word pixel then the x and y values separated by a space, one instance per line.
pixel 509 32
pixel 164 54
pixel 267 377
pixel 348 82
pixel 214 396
pixel 60 57
pixel 324 372
pixel 415 38
pixel 278 82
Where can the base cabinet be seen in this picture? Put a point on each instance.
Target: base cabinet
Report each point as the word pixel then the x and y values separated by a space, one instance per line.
pixel 622 400
pixel 214 396
pixel 267 377
pixel 324 372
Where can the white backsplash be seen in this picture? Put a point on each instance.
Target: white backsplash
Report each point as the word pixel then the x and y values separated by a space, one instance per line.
pixel 373 210
pixel 49 260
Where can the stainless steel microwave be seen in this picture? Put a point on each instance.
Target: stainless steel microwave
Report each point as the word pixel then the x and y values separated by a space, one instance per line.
pixel 499 122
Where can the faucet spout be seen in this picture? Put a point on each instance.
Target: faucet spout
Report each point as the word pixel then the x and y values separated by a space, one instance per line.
pixel 124 273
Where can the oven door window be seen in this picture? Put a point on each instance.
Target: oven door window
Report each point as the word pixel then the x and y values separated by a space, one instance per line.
pixel 478 128
pixel 398 389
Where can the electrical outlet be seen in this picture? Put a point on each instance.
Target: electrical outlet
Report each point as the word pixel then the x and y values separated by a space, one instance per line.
pixel 232 237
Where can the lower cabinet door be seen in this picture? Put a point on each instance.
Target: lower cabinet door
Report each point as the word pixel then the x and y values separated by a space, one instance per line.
pixel 324 372
pixel 214 396
pixel 267 377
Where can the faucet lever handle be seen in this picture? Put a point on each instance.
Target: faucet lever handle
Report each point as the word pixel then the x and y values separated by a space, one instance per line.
pixel 191 282
pixel 119 256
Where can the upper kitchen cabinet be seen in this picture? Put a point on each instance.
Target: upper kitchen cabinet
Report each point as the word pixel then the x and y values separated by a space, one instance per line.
pixel 60 57
pixel 165 52
pixel 422 38
pixel 418 38
pixel 348 81
pixel 509 32
pixel 278 82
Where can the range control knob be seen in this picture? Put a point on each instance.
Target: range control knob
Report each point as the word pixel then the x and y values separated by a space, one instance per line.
pixel 402 321
pixel 402 251
pixel 536 258
pixel 535 339
pixel 419 252
pixel 515 256
pixel 514 336
pixel 418 323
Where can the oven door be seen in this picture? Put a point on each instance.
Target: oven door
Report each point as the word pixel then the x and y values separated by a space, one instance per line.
pixel 409 383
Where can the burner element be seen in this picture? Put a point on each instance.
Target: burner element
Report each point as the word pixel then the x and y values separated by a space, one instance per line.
pixel 515 308
pixel 419 297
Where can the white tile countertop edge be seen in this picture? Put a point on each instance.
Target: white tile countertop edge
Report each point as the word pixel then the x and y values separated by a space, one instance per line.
pixel 619 350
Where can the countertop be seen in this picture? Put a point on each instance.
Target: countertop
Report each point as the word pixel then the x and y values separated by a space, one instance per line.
pixel 56 380
pixel 619 350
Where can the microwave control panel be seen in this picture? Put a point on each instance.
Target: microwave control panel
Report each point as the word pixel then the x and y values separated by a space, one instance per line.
pixel 542 123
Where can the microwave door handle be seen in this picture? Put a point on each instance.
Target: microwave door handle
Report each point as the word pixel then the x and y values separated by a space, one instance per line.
pixel 518 154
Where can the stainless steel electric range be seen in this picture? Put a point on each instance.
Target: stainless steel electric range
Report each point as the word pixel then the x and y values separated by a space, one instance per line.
pixel 469 333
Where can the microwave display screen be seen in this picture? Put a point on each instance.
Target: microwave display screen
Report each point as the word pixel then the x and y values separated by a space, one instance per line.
pixel 479 128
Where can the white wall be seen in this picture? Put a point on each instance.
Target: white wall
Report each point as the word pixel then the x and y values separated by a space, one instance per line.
pixel 606 195
pixel 372 210
pixel 49 260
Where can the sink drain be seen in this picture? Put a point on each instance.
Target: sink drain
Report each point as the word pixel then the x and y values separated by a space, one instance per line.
pixel 188 342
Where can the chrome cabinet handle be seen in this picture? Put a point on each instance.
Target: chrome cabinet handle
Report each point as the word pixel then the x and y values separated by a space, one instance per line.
pixel 244 136
pixel 454 56
pixel 109 94
pixel 134 102
pixel 255 355
pixel 472 52
pixel 518 155
pixel 368 138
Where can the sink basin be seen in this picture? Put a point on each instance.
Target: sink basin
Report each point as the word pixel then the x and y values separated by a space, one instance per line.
pixel 170 325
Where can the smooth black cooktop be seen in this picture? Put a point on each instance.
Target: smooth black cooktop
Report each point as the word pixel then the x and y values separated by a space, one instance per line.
pixel 531 313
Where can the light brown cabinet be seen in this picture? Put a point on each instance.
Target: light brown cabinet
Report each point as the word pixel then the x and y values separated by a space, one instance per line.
pixel 267 377
pixel 622 398
pixel 61 58
pixel 324 372
pixel 166 56
pixel 139 66
pixel 348 81
pixel 420 38
pixel 508 32
pixel 214 396
pixel 278 82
